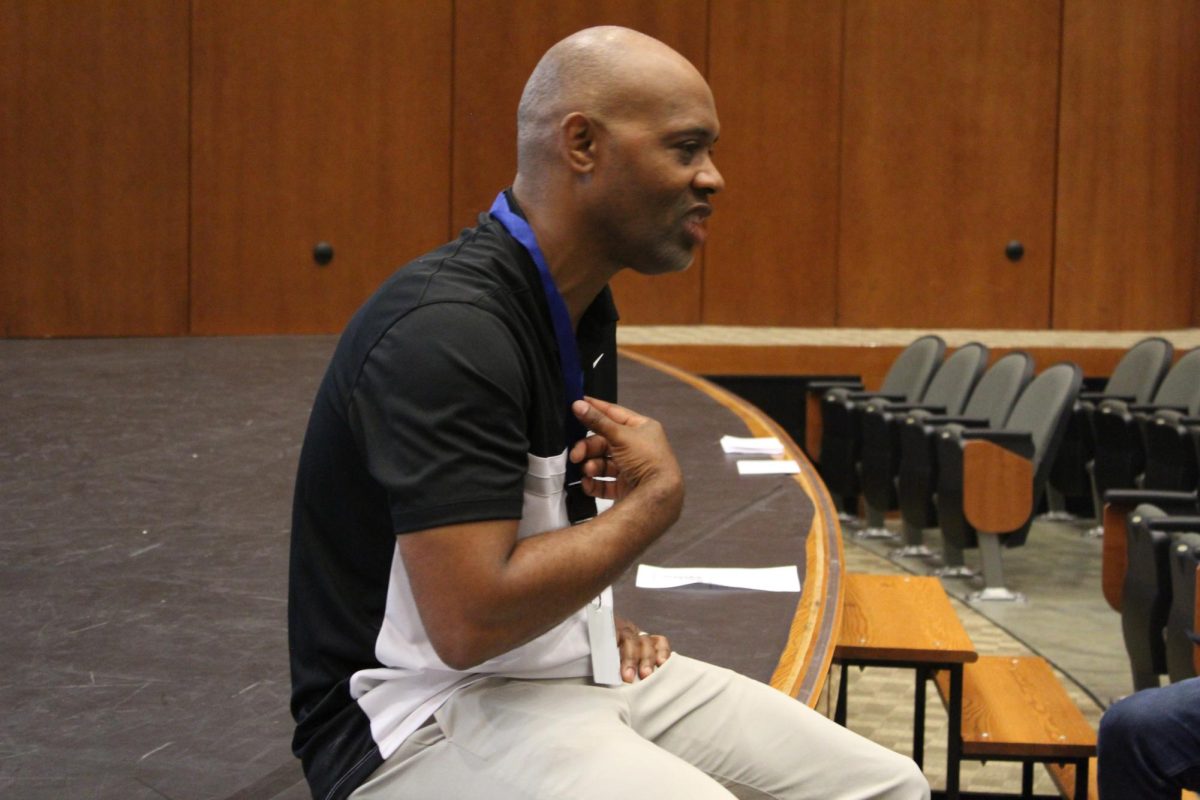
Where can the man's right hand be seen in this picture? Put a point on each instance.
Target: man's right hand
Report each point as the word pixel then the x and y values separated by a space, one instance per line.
pixel 628 447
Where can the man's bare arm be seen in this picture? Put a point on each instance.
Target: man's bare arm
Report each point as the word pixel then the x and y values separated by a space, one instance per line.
pixel 482 592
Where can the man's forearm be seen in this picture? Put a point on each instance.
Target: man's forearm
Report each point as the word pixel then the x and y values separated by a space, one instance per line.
pixel 543 579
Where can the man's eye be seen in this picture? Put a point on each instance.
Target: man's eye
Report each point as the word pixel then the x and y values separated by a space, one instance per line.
pixel 688 150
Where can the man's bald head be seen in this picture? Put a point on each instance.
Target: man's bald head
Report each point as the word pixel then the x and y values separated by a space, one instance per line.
pixel 605 73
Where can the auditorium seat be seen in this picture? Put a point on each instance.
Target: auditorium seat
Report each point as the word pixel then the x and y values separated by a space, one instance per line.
pixel 882 419
pixel 1146 596
pixel 1119 505
pixel 1134 379
pixel 841 406
pixel 1126 433
pixel 1181 620
pixel 991 479
pixel 989 406
pixel 1172 434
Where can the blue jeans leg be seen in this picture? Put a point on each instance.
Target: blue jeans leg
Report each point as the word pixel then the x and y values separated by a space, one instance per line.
pixel 1149 745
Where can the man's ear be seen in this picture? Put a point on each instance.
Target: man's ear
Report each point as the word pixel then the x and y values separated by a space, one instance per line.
pixel 577 142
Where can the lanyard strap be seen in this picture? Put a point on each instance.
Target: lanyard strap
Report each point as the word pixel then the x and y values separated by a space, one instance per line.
pixel 568 350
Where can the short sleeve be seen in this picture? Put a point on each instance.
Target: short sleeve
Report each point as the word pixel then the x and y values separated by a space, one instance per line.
pixel 439 412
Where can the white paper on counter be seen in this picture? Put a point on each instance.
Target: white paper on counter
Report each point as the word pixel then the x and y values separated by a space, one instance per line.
pixel 767 467
pixel 766 579
pixel 758 445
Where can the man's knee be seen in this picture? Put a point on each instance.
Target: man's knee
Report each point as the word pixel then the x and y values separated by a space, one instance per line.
pixel 911 782
pixel 891 776
pixel 1124 722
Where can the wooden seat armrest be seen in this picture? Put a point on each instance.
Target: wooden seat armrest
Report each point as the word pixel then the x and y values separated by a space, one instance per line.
pixel 997 487
pixel 1196 625
pixel 1118 504
pixel 1113 555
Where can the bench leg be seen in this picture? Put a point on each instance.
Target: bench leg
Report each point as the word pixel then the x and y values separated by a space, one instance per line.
pixel 954 744
pixel 1026 779
pixel 919 718
pixel 1081 779
pixel 839 711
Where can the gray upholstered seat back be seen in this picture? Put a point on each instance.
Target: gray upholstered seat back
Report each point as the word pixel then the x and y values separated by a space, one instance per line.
pixel 1042 407
pixel 1140 370
pixel 1185 557
pixel 1181 387
pixel 998 389
pixel 912 369
pixel 952 384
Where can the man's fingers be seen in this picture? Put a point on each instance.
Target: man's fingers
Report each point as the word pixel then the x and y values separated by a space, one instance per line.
pixel 599 467
pixel 587 448
pixel 619 414
pixel 594 419
pixel 642 655
pixel 662 649
pixel 632 660
pixel 601 490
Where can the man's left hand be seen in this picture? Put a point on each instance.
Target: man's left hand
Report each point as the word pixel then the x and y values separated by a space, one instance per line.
pixel 641 653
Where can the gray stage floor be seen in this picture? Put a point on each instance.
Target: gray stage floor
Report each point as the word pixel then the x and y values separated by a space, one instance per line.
pixel 145 493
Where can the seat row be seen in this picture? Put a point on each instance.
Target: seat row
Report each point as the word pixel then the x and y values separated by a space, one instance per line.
pixel 1141 429
pixel 1149 573
pixel 951 442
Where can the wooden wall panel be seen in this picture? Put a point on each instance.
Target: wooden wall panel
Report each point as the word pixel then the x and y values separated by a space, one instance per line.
pixel 93 165
pixel 949 113
pixel 775 70
pixel 314 121
pixel 497 45
pixel 1127 251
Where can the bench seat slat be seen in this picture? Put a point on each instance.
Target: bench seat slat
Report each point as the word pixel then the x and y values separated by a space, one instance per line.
pixel 1015 707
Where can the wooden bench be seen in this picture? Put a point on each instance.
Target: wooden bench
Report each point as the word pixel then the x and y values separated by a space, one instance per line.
pixel 905 621
pixel 1014 709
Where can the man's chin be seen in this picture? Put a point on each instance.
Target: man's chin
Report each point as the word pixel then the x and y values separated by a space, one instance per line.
pixel 664 266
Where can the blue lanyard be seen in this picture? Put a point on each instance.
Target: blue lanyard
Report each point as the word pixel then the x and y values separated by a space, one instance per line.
pixel 568 350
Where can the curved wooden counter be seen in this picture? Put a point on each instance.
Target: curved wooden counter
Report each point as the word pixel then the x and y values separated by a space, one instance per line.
pixel 730 520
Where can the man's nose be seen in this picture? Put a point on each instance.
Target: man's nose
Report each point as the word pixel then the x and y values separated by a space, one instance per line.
pixel 709 178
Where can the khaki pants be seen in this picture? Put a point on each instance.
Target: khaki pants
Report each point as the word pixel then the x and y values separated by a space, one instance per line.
pixel 690 731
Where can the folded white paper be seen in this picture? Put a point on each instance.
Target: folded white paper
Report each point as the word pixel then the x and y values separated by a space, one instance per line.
pixel 760 445
pixel 767 467
pixel 766 579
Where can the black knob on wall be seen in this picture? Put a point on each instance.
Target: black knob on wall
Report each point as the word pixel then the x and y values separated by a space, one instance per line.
pixel 1014 250
pixel 323 253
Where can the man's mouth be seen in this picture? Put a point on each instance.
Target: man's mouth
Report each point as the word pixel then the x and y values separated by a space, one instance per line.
pixel 694 223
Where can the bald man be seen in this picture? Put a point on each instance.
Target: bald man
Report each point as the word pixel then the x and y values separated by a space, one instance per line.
pixel 450 623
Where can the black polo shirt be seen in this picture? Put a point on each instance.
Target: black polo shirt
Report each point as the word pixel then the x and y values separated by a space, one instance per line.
pixel 443 393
